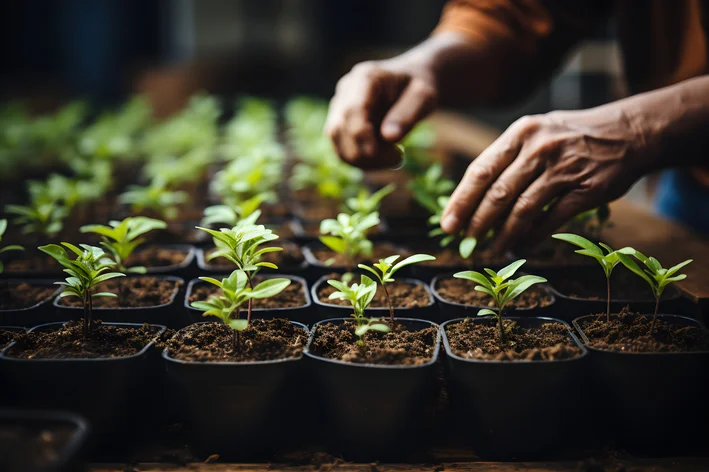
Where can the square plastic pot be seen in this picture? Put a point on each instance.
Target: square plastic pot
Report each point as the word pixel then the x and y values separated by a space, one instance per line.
pixel 517 409
pixel 169 314
pixel 241 410
pixel 451 310
pixel 68 457
pixel 111 393
pixel 330 310
pixel 41 312
pixel 305 314
pixel 653 403
pixel 372 411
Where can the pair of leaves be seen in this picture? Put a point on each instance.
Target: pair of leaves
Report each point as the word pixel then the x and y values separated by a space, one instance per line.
pixel 242 245
pixel 385 269
pixel 608 259
pixel 239 214
pixel 656 276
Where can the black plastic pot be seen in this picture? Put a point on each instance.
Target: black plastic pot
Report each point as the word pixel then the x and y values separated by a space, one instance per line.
pixel 4 393
pixel 654 403
pixel 241 410
pixel 168 314
pixel 451 310
pixel 68 456
pixel 305 314
pixel 205 266
pixel 517 409
pixel 41 312
pixel 375 412
pixel 328 310
pixel 185 269
pixel 51 272
pixel 111 393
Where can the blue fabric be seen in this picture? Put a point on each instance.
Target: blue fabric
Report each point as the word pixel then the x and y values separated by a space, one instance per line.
pixel 681 198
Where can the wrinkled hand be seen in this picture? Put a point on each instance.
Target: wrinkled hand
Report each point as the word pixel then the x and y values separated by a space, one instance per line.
pixel 374 106
pixel 544 170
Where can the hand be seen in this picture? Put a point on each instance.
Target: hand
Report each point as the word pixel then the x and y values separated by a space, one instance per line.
pixel 544 170
pixel 374 106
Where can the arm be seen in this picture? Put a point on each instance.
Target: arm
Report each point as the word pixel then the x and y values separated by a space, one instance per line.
pixel 573 161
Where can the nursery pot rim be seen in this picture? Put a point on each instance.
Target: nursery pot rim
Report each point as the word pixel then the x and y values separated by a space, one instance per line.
pixel 432 361
pixel 310 258
pixel 167 357
pixel 190 250
pixel 175 291
pixel 203 264
pixel 161 329
pixel 694 322
pixel 322 280
pixel 34 282
pixel 292 278
pixel 449 275
pixel 569 329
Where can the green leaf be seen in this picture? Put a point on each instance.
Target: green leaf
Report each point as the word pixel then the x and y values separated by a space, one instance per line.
pixel 415 259
pixel 520 285
pixel 105 294
pixel 105 277
pixel 269 288
pixel 633 267
pixel 12 247
pixel 212 281
pixel 579 241
pixel 486 312
pixel 336 244
pixel 269 265
pixel 362 330
pixel 673 270
pixel 507 272
pixel 467 246
pixel 238 325
pixel 381 327
pixel 474 276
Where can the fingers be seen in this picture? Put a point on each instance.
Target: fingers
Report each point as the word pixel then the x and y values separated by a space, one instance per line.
pixel 417 101
pixel 563 210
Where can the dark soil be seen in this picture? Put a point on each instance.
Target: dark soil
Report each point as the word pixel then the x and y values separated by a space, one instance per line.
pixel 292 296
pixel 26 447
pixel 133 292
pixel 69 343
pixel 157 257
pixel 318 211
pixel 480 339
pixel 263 340
pixel 403 295
pixel 555 253
pixel 628 332
pixel 590 284
pixel 397 347
pixel 6 337
pixel 33 263
pixel 290 257
pixel 463 291
pixel 450 257
pixel 24 295
pixel 379 251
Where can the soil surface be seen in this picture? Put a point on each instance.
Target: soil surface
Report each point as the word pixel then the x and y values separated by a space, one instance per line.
pixel 379 251
pixel 290 257
pixel 590 284
pixel 449 257
pixel 397 347
pixel 132 292
pixel 292 296
pixel 480 339
pixel 24 295
pixel 555 253
pixel 157 257
pixel 69 343
pixel 318 211
pixel 463 291
pixel 629 333
pixel 6 337
pixel 34 263
pixel 403 295
pixel 31 448
pixel 263 340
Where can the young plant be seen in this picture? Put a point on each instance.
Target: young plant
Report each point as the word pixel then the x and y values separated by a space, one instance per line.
pixel 237 213
pixel 501 287
pixel 366 202
pixel 12 247
pixel 121 238
pixel 607 260
pixel 156 197
pixel 360 296
pixel 86 271
pixel 429 186
pixel 235 291
pixel 657 277
pixel 385 269
pixel 466 244
pixel 42 218
pixel 242 246
pixel 347 235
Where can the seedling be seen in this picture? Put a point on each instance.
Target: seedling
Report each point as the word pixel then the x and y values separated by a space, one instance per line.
pixel 366 202
pixel 600 216
pixel 657 277
pixel 429 186
pixel 385 269
pixel 607 260
pixel 233 214
pixel 241 245
pixel 235 291
pixel 41 218
pixel 156 197
pixel 347 235
pixel 86 271
pixel 12 247
pixel 466 244
pixel 501 287
pixel 360 296
pixel 121 238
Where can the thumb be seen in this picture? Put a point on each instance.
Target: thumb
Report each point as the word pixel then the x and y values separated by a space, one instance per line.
pixel 416 101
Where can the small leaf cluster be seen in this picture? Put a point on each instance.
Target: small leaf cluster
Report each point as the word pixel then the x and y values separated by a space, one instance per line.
pixel 156 197
pixel 347 235
pixel 242 245
pixel 608 259
pixel 466 244
pixel 652 272
pixel 366 202
pixel 429 186
pixel 237 215
pixel 11 247
pixel 359 295
pixel 385 269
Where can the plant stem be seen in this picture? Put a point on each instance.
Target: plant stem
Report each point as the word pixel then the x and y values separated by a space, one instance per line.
pixel 91 310
pixel 502 329
pixel 391 306
pixel 87 310
pixel 654 316
pixel 250 305
pixel 608 303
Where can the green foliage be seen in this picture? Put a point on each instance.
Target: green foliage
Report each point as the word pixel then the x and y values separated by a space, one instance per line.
pixel 323 171
pixel 255 173
pixel 254 125
pixel 179 169
pixel 347 235
pixel 359 296
pixel 154 197
pixel 242 246
pixel 593 221
pixel 501 287
pixel 245 213
pixel 87 270
pixel 466 244
pixel 366 202
pixel 121 238
pixel 428 187
pixel 12 247
pixel 41 218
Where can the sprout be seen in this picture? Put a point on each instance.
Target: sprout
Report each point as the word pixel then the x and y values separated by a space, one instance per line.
pixel 347 235
pixel 653 273
pixel 365 202
pixel 234 292
pixel 608 261
pixel 156 197
pixel 430 186
pixel 86 271
pixel 246 212
pixel 121 238
pixel 385 269
pixel 12 247
pixel 42 218
pixel 360 296
pixel 466 244
pixel 501 288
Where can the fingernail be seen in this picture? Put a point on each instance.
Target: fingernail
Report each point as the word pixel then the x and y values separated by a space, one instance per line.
pixel 449 223
pixel 391 130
